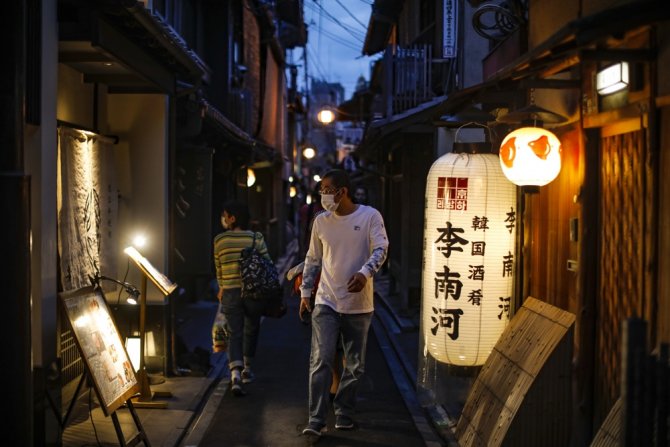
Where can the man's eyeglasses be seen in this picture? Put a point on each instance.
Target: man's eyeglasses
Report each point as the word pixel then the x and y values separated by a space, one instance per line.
pixel 328 191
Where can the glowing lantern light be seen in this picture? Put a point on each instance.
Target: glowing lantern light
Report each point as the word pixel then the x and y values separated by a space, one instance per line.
pixel 325 116
pixel 530 156
pixel 251 177
pixel 469 236
pixel 309 152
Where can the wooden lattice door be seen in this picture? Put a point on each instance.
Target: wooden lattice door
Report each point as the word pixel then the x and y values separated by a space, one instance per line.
pixel 625 183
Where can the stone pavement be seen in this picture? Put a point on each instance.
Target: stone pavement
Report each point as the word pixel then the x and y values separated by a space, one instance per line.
pixel 275 409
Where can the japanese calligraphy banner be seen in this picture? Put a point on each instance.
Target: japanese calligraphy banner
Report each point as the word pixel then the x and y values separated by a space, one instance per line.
pixel 469 258
pixel 87 208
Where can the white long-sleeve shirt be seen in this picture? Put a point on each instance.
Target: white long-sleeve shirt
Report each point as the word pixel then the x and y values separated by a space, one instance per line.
pixel 339 247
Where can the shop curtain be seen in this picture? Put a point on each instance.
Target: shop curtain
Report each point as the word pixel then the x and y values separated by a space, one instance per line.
pixel 87 207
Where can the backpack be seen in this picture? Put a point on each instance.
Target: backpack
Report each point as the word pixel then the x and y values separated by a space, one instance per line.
pixel 260 279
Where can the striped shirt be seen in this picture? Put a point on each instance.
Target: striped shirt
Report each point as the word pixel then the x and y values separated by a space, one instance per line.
pixel 227 249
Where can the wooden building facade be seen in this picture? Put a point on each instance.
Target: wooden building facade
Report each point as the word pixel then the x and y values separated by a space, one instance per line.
pixel 594 239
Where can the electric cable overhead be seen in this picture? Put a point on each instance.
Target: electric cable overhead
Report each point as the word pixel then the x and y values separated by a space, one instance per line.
pixel 326 20
pixel 317 64
pixel 350 14
pixel 338 39
pixel 320 9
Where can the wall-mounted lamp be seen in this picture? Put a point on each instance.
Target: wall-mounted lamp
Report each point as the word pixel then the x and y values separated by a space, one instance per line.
pixel 139 240
pixel 612 79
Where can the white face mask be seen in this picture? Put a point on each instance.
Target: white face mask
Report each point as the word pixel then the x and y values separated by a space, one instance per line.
pixel 223 223
pixel 328 202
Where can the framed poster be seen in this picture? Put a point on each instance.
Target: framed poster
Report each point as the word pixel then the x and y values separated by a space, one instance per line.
pixel 101 347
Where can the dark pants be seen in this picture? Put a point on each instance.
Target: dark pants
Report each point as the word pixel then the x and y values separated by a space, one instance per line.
pixel 244 322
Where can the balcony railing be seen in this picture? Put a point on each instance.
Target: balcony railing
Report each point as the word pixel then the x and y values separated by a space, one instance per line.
pixel 413 76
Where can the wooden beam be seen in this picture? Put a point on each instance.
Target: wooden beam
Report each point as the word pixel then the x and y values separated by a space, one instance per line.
pixel 635 110
pixel 641 55
pixel 551 83
pixel 83 56
pixel 109 39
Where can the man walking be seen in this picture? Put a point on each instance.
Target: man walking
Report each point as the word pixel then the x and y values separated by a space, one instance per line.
pixel 348 246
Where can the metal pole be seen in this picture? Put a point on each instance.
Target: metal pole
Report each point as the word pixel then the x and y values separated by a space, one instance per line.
pixel 145 393
pixel 145 399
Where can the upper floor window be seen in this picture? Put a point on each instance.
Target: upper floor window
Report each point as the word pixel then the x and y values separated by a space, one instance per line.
pixel 180 15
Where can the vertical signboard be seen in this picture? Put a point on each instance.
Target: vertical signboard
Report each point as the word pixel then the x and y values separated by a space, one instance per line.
pixel 449 28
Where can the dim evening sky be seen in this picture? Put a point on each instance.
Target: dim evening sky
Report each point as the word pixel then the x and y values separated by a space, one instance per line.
pixel 335 32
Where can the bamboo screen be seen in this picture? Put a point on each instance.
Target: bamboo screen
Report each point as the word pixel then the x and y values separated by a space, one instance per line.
pixel 522 395
pixel 623 255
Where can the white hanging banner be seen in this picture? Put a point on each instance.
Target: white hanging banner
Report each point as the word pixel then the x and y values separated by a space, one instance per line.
pixel 87 208
pixel 449 28
pixel 469 257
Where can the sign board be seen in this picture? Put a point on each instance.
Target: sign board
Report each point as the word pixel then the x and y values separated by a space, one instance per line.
pixel 160 280
pixel 449 29
pixel 100 347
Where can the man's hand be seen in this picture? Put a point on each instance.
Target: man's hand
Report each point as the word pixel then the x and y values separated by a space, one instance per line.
pixel 305 308
pixel 356 282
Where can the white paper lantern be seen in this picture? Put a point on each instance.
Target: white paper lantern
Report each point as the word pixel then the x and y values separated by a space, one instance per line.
pixel 469 257
pixel 530 156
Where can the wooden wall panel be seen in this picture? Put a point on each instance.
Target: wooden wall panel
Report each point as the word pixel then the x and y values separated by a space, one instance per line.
pixel 549 246
pixel 623 256
pixel 663 311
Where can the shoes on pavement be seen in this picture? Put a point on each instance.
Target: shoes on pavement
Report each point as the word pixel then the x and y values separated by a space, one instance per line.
pixel 248 376
pixel 343 422
pixel 236 383
pixel 236 387
pixel 313 429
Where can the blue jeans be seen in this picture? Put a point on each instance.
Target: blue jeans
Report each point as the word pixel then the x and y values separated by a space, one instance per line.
pixel 244 323
pixel 327 326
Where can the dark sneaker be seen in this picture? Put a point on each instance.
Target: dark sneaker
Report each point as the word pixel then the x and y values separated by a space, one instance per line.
pixel 312 429
pixel 344 422
pixel 248 376
pixel 236 387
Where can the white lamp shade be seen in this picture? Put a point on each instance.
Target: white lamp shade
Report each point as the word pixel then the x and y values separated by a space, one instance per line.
pixel 530 156
pixel 612 79
pixel 468 268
